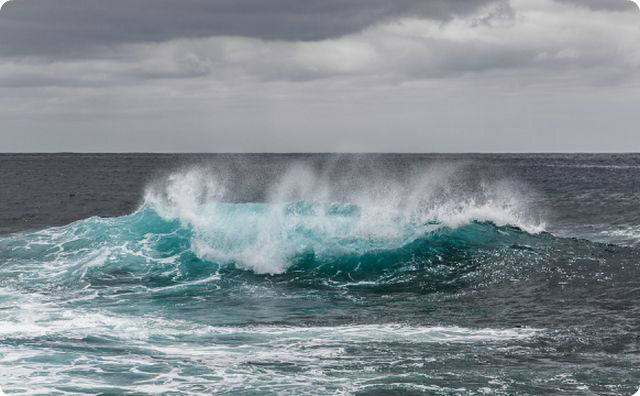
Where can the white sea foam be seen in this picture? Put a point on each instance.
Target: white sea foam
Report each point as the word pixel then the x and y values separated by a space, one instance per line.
pixel 629 235
pixel 308 210
pixel 305 212
pixel 31 316
pixel 178 355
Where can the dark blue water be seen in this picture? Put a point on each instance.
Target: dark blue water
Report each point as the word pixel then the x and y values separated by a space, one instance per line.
pixel 320 274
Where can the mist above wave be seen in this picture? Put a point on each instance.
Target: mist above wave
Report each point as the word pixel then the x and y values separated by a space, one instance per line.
pixel 331 211
pixel 335 224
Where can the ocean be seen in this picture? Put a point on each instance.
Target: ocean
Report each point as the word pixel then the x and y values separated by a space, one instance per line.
pixel 319 274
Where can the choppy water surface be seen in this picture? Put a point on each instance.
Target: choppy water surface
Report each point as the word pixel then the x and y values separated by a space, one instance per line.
pixel 292 275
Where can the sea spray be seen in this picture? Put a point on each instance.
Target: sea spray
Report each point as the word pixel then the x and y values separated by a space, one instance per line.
pixel 389 275
pixel 324 215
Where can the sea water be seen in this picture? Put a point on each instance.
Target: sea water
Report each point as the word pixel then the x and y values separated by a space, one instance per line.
pixel 320 274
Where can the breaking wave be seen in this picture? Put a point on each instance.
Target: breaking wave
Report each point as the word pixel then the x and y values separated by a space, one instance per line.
pixel 305 221
pixel 304 215
pixel 224 281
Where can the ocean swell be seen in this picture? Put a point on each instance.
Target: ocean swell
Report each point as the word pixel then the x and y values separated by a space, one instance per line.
pixel 421 236
pixel 305 215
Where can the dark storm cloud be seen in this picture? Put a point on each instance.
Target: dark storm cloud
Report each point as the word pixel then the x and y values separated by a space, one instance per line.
pixel 67 27
pixel 318 75
pixel 605 5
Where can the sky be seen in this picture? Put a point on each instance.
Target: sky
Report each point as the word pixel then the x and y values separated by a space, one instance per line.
pixel 319 76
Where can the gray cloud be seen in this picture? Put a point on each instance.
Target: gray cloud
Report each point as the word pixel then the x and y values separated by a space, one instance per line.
pixel 300 75
pixel 72 27
pixel 606 5
pixel 530 39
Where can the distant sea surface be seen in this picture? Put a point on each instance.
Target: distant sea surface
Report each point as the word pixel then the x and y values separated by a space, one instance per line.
pixel 318 274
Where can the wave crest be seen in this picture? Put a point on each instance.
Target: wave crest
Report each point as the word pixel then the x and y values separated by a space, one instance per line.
pixel 310 213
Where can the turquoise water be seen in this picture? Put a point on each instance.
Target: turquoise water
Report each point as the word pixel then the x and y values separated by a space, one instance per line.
pixel 377 294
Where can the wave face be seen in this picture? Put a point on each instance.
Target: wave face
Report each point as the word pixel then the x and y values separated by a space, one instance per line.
pixel 306 216
pixel 316 242
pixel 187 222
pixel 422 284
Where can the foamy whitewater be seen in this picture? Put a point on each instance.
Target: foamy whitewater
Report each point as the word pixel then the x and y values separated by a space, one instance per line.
pixel 330 275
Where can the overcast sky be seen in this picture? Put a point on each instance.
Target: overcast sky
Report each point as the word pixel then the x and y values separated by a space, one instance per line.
pixel 320 75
